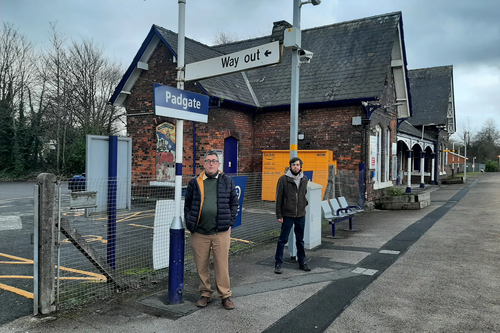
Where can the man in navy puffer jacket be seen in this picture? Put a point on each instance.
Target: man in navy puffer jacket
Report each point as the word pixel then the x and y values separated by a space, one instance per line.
pixel 210 208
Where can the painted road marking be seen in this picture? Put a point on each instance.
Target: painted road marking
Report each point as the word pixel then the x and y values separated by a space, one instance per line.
pixel 141 226
pixel 88 239
pixel 88 276
pixel 15 290
pixel 10 222
pixel 364 271
pixel 389 252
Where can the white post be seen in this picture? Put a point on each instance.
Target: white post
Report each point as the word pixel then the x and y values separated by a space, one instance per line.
pixel 433 165
pixel 422 160
pixel 177 240
pixel 408 187
pixel 401 155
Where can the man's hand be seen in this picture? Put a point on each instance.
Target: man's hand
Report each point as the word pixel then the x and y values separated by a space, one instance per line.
pixel 280 220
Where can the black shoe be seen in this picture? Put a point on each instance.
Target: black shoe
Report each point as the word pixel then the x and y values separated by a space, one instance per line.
pixel 277 269
pixel 304 267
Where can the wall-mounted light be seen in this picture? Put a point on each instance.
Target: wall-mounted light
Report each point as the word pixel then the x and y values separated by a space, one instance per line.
pixel 300 136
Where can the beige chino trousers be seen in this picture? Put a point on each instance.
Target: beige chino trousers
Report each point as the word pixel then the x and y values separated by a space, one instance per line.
pixel 219 243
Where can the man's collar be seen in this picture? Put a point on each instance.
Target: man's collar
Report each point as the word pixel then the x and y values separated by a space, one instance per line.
pixel 205 176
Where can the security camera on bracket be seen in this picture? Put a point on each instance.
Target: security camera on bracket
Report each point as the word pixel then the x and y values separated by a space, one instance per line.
pixel 305 56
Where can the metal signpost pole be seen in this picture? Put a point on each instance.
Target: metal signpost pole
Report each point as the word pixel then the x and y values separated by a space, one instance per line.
pixel 176 259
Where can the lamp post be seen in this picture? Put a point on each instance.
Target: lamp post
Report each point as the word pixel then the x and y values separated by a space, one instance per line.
pixel 294 103
pixel 458 162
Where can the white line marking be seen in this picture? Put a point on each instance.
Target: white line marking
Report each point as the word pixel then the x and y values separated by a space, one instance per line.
pixel 389 252
pixel 364 271
pixel 10 222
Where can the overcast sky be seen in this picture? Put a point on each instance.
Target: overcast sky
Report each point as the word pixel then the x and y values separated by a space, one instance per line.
pixel 462 33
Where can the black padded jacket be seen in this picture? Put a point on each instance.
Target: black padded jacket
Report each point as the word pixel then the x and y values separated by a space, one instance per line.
pixel 227 202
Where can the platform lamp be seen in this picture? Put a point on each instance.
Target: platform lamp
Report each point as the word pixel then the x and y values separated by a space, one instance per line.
pixel 293 40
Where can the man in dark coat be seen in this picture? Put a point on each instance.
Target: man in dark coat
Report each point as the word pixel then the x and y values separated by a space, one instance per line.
pixel 210 208
pixel 291 205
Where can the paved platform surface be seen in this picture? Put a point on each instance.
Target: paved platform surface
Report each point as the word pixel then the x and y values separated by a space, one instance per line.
pixel 430 270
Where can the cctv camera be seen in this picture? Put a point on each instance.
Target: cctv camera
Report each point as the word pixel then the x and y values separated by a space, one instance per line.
pixel 305 56
pixel 315 2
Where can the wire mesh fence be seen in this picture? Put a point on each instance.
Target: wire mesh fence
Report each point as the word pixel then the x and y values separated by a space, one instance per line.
pixel 99 253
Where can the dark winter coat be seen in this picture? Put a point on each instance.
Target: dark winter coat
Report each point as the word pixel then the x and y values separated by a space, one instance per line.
pixel 227 202
pixel 290 200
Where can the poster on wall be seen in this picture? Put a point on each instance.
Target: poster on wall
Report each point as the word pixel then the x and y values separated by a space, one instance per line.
pixel 165 152
pixel 373 152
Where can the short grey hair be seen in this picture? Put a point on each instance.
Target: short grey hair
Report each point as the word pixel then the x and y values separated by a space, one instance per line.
pixel 211 152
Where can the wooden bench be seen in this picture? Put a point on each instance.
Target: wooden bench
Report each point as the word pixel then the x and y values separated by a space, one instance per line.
pixel 335 215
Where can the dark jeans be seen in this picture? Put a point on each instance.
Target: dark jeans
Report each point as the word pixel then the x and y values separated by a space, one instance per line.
pixel 286 226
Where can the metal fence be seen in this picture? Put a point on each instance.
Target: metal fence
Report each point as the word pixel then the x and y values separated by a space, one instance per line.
pixel 88 263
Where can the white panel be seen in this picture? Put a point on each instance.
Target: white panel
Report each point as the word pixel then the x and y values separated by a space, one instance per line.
pixel 164 214
pixel 96 174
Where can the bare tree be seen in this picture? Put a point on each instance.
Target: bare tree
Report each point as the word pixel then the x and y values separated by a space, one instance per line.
pixel 465 126
pixel 485 144
pixel 16 82
pixel 222 37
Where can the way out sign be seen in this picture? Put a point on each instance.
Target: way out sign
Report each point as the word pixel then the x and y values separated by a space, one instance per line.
pixel 180 104
pixel 259 56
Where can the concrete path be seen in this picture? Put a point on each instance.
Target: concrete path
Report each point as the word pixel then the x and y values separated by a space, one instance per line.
pixel 429 270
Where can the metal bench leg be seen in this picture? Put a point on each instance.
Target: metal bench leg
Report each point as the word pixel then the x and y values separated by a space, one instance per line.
pixel 350 226
pixel 334 234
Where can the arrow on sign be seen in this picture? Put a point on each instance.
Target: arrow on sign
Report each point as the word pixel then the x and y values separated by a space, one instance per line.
pixel 267 53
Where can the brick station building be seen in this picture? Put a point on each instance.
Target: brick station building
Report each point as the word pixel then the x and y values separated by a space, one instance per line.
pixel 352 95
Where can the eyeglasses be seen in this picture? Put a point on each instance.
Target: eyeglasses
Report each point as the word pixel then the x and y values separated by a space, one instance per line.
pixel 211 161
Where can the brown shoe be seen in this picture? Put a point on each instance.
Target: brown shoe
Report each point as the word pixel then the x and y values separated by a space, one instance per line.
pixel 227 303
pixel 203 301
